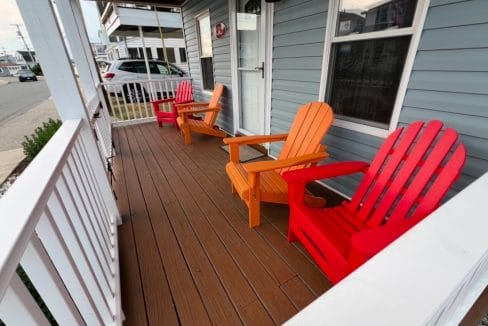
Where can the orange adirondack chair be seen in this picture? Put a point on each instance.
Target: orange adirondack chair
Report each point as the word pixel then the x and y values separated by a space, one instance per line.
pixel 258 182
pixel 206 126
pixel 184 94
pixel 405 182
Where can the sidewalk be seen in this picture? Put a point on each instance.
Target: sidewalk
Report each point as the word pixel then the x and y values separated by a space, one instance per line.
pixel 13 130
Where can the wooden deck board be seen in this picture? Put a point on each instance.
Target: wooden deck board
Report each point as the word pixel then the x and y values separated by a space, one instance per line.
pixel 187 255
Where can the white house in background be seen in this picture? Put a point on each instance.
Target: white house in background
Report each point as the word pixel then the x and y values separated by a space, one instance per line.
pixel 126 23
pixel 23 58
pixel 131 47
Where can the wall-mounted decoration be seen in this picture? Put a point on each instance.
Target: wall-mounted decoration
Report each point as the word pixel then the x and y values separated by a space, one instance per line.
pixel 219 30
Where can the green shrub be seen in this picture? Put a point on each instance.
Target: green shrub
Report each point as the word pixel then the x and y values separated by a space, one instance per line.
pixel 36 69
pixel 33 144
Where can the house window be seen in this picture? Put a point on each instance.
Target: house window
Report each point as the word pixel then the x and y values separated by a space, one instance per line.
pixel 205 50
pixel 182 55
pixel 369 47
pixel 170 53
pixel 133 53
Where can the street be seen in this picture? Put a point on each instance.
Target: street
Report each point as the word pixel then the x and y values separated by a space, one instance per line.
pixel 17 98
pixel 23 108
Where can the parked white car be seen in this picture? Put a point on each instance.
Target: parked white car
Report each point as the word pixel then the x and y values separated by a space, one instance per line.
pixel 125 74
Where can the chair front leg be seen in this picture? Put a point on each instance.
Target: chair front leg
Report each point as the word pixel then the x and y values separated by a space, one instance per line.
pixel 254 201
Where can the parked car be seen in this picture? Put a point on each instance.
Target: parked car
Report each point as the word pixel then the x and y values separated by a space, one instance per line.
pixel 126 72
pixel 26 74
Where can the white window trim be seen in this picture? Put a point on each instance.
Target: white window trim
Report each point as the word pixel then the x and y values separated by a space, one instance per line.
pixel 201 14
pixel 415 31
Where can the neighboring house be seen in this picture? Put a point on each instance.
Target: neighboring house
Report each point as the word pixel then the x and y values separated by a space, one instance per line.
pixel 4 71
pixel 132 48
pixel 23 58
pixel 10 69
pixel 125 23
pixel 379 66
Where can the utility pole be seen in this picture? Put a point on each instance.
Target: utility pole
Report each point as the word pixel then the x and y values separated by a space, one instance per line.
pixel 19 33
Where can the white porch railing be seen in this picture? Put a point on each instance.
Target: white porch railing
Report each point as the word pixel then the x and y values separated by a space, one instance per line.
pixel 57 225
pixel 130 101
pixel 432 275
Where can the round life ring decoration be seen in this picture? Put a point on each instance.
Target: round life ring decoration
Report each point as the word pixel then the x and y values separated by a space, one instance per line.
pixel 219 30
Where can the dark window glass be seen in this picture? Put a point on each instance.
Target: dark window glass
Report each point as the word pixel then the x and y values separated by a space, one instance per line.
pixel 127 66
pixel 160 53
pixel 359 16
pixel 364 79
pixel 162 68
pixel 149 53
pixel 207 73
pixel 133 53
pixel 170 52
pixel 182 54
pixel 153 68
pixel 140 67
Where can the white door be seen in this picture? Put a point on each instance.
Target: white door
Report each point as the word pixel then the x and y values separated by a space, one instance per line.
pixel 251 44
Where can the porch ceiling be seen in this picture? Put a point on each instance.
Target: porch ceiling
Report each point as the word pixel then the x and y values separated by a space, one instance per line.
pixel 149 31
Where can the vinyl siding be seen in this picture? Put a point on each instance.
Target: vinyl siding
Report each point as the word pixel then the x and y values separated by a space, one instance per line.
pixel 299 34
pixel 449 79
pixel 298 45
pixel 219 12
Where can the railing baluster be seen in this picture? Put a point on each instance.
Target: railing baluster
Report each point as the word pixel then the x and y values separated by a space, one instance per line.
pixel 68 268
pixel 86 182
pixel 83 152
pixel 88 204
pixel 79 225
pixel 64 225
pixel 136 106
pixel 87 220
pixel 18 307
pixel 43 274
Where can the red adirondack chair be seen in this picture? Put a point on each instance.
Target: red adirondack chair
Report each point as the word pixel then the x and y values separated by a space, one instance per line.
pixel 184 95
pixel 404 183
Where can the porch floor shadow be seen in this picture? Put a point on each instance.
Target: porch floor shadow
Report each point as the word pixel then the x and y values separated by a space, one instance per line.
pixel 187 255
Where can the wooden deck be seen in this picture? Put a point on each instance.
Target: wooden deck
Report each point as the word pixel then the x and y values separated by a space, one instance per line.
pixel 187 255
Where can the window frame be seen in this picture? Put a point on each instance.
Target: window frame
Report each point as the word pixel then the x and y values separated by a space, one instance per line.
pixel 413 31
pixel 197 17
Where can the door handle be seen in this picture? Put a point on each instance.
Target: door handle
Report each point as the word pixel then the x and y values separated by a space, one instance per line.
pixel 261 68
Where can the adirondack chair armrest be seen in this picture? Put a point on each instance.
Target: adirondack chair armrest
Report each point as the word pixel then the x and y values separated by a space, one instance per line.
pixel 192 104
pixel 325 171
pixel 193 111
pixel 164 100
pixel 155 104
pixel 257 167
pixel 256 139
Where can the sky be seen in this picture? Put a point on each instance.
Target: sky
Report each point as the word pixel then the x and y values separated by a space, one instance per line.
pixel 9 14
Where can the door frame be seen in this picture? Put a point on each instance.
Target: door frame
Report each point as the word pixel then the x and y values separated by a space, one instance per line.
pixel 268 71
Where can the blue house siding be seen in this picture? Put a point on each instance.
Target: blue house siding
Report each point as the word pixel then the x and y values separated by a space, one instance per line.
pixel 298 45
pixel 219 12
pixel 299 32
pixel 449 79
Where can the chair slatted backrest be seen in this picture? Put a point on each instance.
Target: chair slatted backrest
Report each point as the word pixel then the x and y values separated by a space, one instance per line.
pixel 307 131
pixel 184 93
pixel 410 174
pixel 210 117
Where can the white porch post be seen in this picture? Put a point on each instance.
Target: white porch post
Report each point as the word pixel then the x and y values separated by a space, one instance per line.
pixel 144 52
pixel 40 20
pixel 74 28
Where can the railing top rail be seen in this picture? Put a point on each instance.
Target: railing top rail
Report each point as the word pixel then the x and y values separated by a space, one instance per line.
pixel 143 81
pixel 20 205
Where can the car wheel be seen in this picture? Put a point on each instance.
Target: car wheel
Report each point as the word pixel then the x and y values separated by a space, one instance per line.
pixel 134 93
